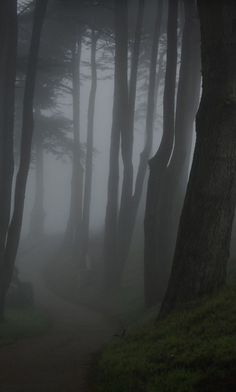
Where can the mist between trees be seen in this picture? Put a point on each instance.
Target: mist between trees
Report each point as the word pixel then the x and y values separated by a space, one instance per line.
pixel 98 101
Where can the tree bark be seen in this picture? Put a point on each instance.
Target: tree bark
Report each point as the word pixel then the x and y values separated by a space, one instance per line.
pixel 110 240
pixel 8 50
pixel 89 153
pixel 160 161
pixel 26 141
pixel 131 202
pixel 37 214
pixel 202 248
pixel 73 231
pixel 177 172
pixel 127 135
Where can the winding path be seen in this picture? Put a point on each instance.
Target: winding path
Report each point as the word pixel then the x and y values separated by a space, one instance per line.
pixel 58 361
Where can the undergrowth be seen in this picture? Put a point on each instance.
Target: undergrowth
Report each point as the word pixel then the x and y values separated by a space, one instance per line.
pixel 189 351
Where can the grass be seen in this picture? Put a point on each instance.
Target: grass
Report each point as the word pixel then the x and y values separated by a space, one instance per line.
pixel 190 351
pixel 21 324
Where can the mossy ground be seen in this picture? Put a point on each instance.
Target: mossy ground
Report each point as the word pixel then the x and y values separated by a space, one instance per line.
pixel 22 323
pixel 190 351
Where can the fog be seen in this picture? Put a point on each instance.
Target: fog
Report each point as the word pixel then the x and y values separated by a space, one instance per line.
pixel 57 171
pixel 98 101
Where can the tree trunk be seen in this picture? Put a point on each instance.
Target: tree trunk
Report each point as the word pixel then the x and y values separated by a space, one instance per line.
pixel 131 202
pixel 89 153
pixel 73 231
pixel 110 240
pixel 202 248
pixel 37 214
pixel 127 135
pixel 176 176
pixel 126 130
pixel 160 161
pixel 8 50
pixel 26 141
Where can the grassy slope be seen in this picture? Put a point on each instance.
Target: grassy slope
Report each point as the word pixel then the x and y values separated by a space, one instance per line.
pixel 193 350
pixel 22 323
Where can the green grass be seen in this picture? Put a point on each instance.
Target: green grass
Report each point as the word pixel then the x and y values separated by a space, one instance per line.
pixel 21 324
pixel 189 351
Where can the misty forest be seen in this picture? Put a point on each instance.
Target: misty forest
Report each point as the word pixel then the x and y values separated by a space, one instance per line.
pixel 117 195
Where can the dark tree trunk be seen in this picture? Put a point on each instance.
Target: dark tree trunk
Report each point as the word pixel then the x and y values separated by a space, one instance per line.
pixel 73 231
pixel 202 248
pixel 160 161
pixel 37 214
pixel 8 50
pixel 110 240
pixel 176 176
pixel 89 153
pixel 129 99
pixel 126 130
pixel 26 141
pixel 131 201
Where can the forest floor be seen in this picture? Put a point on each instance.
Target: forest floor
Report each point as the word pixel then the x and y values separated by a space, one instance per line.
pixel 60 359
pixel 189 351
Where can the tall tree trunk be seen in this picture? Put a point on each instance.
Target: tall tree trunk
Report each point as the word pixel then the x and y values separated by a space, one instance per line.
pixel 176 176
pixel 8 50
pixel 131 200
pixel 110 240
pixel 89 153
pixel 160 161
pixel 37 214
pixel 202 248
pixel 127 131
pixel 26 141
pixel 73 231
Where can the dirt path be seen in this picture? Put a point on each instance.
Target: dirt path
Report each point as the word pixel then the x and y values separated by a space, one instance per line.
pixel 58 361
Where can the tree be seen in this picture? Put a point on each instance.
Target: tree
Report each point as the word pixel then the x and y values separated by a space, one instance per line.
pixel 37 215
pixel 176 174
pixel 14 229
pixel 202 248
pixel 73 231
pixel 160 161
pixel 8 49
pixel 119 117
pixel 130 199
pixel 89 153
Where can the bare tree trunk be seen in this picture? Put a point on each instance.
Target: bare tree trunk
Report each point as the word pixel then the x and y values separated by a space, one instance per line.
pixel 26 141
pixel 89 153
pixel 8 50
pixel 37 214
pixel 110 241
pixel 131 200
pixel 176 176
pixel 73 231
pixel 202 248
pixel 128 129
pixel 160 161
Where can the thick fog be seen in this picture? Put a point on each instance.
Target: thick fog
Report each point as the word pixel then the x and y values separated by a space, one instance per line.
pixel 57 171
pixel 117 195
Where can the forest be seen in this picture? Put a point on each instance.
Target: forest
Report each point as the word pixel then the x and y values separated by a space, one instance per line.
pixel 117 195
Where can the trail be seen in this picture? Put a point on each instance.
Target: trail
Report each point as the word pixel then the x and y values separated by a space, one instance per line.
pixel 59 360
